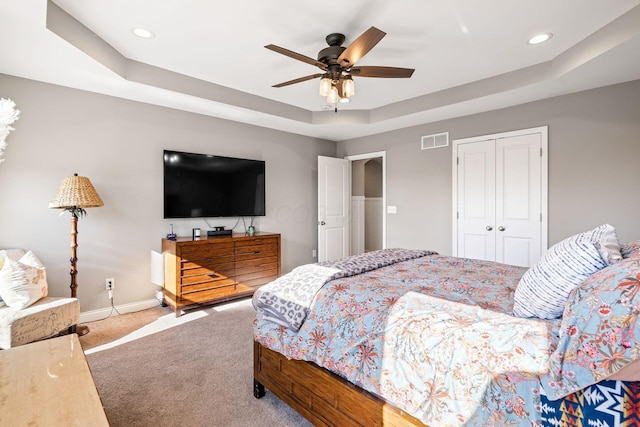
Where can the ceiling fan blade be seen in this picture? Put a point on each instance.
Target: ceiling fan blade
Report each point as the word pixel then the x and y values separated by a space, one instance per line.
pixel 360 47
pixel 301 79
pixel 385 72
pixel 298 56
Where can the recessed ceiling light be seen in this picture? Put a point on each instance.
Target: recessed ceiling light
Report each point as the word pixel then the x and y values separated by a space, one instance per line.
pixel 141 32
pixel 540 38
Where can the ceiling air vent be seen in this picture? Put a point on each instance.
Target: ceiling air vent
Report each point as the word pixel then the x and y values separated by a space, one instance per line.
pixel 436 140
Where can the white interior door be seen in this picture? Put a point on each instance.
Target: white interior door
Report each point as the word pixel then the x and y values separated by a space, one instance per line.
pixel 500 192
pixel 476 200
pixel 518 201
pixel 334 185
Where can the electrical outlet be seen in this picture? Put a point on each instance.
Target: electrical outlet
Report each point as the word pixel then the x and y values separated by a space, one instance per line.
pixel 110 284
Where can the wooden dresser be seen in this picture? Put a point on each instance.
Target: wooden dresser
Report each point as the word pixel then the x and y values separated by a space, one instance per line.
pixel 207 270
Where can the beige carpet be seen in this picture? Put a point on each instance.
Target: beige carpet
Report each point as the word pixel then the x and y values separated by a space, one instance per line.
pixel 196 373
pixel 116 327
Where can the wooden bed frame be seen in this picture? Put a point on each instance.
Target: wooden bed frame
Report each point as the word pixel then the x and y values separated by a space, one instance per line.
pixel 321 396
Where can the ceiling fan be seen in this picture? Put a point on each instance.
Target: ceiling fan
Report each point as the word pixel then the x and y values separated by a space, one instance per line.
pixel 338 65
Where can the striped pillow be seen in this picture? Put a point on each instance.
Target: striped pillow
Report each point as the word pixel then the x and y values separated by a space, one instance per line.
pixel 544 289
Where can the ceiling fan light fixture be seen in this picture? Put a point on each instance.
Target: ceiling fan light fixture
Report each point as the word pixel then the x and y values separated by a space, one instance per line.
pixel 333 97
pixel 344 100
pixel 325 85
pixel 348 87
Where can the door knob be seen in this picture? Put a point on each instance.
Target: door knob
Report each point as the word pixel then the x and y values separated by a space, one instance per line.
pixel 489 228
pixel 501 228
pixel 322 223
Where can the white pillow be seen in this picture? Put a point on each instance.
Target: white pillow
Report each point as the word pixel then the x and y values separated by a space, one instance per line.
pixel 14 254
pixel 544 289
pixel 608 244
pixel 23 282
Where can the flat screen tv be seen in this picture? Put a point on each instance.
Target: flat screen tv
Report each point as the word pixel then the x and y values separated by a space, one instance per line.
pixel 201 185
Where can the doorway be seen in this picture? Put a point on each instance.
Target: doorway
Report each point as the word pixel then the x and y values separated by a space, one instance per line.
pixel 341 220
pixel 368 201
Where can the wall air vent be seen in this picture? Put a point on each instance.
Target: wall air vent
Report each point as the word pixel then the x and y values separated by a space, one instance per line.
pixel 436 140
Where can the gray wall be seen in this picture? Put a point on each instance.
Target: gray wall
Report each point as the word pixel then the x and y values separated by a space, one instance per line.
pixel 118 144
pixel 594 172
pixel 357 177
pixel 373 178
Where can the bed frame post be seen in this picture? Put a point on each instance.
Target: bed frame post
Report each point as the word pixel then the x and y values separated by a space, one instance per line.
pixel 258 389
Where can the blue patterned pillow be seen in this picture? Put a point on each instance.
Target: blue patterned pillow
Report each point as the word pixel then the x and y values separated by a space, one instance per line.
pixel 543 290
pixel 630 249
pixel 599 330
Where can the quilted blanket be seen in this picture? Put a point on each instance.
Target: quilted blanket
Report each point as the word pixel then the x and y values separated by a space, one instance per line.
pixel 286 301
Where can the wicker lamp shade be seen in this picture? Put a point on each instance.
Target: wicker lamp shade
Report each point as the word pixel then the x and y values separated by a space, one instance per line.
pixel 76 192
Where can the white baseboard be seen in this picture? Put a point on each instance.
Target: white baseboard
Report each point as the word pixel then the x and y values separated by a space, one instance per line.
pixel 91 316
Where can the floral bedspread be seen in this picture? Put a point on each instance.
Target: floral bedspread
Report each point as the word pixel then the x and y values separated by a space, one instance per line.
pixel 434 335
pixel 449 345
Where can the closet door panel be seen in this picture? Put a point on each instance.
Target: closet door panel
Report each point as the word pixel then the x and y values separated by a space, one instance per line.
pixel 518 199
pixel 476 200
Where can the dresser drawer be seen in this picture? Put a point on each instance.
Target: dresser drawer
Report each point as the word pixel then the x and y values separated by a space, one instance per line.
pixel 209 251
pixel 257 241
pixel 204 285
pixel 212 263
pixel 254 252
pixel 267 275
pixel 207 294
pixel 250 262
pixel 257 244
pixel 191 268
pixel 207 277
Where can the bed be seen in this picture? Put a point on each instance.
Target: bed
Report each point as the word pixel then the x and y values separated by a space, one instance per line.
pixel 414 338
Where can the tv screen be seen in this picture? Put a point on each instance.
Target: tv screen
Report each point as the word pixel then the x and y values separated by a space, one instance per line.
pixel 201 185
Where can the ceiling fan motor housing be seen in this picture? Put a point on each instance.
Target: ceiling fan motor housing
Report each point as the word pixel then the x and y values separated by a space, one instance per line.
pixel 329 55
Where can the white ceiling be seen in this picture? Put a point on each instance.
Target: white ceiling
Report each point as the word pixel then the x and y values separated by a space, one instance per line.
pixel 209 57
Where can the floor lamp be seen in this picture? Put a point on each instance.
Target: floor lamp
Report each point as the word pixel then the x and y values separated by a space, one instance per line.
pixel 74 195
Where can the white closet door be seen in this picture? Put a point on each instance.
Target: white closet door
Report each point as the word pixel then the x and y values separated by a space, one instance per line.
pixel 518 200
pixel 476 200
pixel 499 198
